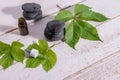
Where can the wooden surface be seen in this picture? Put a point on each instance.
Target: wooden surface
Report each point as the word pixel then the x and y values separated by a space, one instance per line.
pixel 90 61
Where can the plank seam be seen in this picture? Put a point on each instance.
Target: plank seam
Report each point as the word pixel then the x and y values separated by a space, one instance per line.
pixel 97 62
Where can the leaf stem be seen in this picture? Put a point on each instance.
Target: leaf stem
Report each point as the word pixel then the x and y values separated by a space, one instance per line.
pixel 76 18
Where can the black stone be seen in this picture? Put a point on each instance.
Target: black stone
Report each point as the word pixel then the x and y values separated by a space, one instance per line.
pixel 31 7
pixel 32 11
pixel 31 16
pixel 54 30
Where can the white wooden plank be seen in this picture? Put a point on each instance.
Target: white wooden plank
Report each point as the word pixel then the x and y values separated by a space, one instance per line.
pixel 69 60
pixel 8 14
pixel 109 8
pixel 66 3
pixel 106 69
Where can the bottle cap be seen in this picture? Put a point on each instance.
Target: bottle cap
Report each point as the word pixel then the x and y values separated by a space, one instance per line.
pixel 34 53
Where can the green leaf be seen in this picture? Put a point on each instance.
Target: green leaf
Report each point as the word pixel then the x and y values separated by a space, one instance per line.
pixel 49 60
pixel 64 15
pixel 33 46
pixel 17 44
pixel 100 17
pixel 6 61
pixel 1 53
pixel 10 53
pixel 88 31
pixel 80 8
pixel 93 16
pixel 3 47
pixel 16 51
pixel 43 45
pixel 73 34
pixel 18 54
pixel 32 62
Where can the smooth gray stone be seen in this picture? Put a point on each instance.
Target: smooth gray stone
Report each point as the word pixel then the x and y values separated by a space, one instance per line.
pixel 31 7
pixel 34 15
pixel 54 30
pixel 57 36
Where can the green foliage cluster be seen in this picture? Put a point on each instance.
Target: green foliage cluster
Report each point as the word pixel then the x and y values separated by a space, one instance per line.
pixel 78 26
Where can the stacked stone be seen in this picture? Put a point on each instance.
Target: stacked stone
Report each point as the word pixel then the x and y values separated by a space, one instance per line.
pixel 32 11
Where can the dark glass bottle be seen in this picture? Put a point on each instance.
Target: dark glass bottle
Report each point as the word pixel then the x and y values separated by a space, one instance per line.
pixel 23 28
